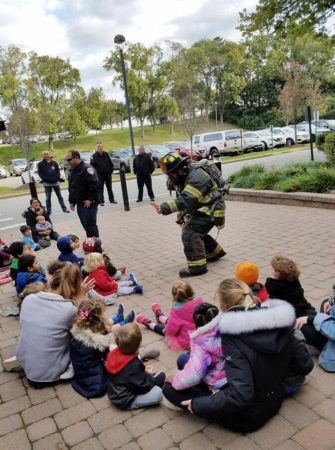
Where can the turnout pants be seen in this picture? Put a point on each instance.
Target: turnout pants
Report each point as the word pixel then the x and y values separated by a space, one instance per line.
pixel 144 180
pixel 199 246
pixel 105 179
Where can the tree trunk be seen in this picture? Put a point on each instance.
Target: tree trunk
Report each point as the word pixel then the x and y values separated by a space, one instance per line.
pixel 51 142
pixel 207 114
pixel 154 127
pixel 171 127
pixel 142 127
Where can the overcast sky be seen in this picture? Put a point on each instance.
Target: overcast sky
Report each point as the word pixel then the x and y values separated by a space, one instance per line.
pixel 83 30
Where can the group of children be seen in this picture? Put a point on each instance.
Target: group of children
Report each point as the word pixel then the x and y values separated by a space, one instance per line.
pixel 102 364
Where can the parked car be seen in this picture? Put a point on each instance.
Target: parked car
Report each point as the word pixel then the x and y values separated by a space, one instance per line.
pixel 3 171
pixel 223 142
pixel 279 137
pixel 121 157
pixel 196 152
pixel 172 146
pixel 302 136
pixel 32 168
pixel 156 152
pixel 253 142
pixel 304 126
pixel 17 166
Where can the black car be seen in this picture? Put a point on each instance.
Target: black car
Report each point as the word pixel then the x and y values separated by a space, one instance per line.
pixel 121 157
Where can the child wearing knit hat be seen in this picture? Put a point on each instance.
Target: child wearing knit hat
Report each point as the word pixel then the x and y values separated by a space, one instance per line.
pixel 248 272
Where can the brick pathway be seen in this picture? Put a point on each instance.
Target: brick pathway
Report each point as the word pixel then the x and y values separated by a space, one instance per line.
pixel 58 418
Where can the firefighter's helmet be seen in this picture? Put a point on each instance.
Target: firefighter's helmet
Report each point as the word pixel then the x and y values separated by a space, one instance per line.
pixel 171 161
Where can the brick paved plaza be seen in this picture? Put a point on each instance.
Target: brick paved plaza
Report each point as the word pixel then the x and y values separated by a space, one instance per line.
pixel 148 244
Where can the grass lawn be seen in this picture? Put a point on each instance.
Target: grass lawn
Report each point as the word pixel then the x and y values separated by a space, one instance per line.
pixel 112 139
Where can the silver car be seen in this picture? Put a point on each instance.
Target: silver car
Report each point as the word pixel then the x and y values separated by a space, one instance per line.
pixel 17 167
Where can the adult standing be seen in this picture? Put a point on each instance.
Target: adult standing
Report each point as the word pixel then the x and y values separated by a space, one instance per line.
pixel 83 192
pixel 104 167
pixel 143 166
pixel 202 207
pixel 259 349
pixel 48 171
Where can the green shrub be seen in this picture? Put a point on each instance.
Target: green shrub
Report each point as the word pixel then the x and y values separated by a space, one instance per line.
pixel 318 181
pixel 246 171
pixel 330 148
pixel 320 141
pixel 268 180
pixel 247 182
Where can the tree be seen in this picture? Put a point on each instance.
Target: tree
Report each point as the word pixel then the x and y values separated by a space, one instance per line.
pixel 146 78
pixel 168 107
pixel 74 123
pixel 50 81
pixel 113 112
pixel 286 15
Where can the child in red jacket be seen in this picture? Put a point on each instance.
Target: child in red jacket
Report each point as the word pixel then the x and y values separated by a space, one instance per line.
pixel 106 285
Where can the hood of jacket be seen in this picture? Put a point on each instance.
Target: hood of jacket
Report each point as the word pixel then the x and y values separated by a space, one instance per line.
pixel 96 341
pixel 116 361
pixel 63 244
pixel 263 329
pixel 24 278
pixel 186 312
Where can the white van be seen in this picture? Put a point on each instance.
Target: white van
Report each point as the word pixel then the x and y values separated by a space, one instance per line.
pixel 223 142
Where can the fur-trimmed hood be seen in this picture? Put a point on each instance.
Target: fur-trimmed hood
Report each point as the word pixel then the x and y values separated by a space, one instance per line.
pixel 272 315
pixel 97 341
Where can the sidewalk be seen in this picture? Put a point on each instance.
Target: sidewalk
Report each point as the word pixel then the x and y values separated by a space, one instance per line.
pixel 149 245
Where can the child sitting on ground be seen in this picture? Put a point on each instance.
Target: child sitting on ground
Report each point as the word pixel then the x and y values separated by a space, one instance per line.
pixel 285 285
pixel 248 272
pixel 131 385
pixel 27 238
pixel 29 272
pixel 43 227
pixel 5 257
pixel 106 285
pixel 179 324
pixel 94 244
pixel 205 362
pixel 16 249
pixel 89 345
pixel 66 245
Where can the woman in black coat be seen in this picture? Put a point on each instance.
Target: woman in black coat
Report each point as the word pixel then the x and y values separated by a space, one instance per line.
pixel 260 351
pixel 36 209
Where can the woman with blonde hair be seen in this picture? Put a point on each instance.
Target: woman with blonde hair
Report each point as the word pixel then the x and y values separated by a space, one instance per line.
pixel 45 321
pixel 259 348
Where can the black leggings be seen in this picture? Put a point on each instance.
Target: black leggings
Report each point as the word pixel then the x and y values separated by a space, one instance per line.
pixel 176 397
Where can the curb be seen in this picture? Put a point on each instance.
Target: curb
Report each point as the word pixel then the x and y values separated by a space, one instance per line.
pixel 306 199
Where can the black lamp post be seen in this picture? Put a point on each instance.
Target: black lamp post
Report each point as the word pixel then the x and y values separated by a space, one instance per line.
pixel 119 40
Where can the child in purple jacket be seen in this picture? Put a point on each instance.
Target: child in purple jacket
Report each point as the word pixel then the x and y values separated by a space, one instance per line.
pixel 179 324
pixel 205 362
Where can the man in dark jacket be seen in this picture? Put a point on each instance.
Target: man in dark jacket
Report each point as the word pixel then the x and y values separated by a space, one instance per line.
pixel 83 192
pixel 104 167
pixel 49 173
pixel 143 166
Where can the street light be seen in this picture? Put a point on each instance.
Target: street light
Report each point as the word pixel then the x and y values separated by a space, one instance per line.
pixel 119 40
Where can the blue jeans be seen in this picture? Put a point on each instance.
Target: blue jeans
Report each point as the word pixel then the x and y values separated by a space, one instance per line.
pixel 88 219
pixel 48 191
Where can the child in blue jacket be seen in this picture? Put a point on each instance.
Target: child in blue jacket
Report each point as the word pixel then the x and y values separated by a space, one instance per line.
pixel 29 272
pixel 66 245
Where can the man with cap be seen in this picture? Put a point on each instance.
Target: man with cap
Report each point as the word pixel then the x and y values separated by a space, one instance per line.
pixel 201 207
pixel 83 192
pixel 48 171
pixel 104 168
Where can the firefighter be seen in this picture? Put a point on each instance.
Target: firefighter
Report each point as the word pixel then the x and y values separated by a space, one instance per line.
pixel 200 205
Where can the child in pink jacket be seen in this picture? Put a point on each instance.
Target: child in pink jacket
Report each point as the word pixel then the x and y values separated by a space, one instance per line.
pixel 179 324
pixel 204 363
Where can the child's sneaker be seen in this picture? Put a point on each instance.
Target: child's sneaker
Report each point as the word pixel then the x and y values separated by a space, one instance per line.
pixel 132 278
pixel 157 310
pixel 122 269
pixel 138 289
pixel 110 299
pixel 119 316
pixel 47 238
pixel 68 374
pixel 141 319
pixel 129 318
